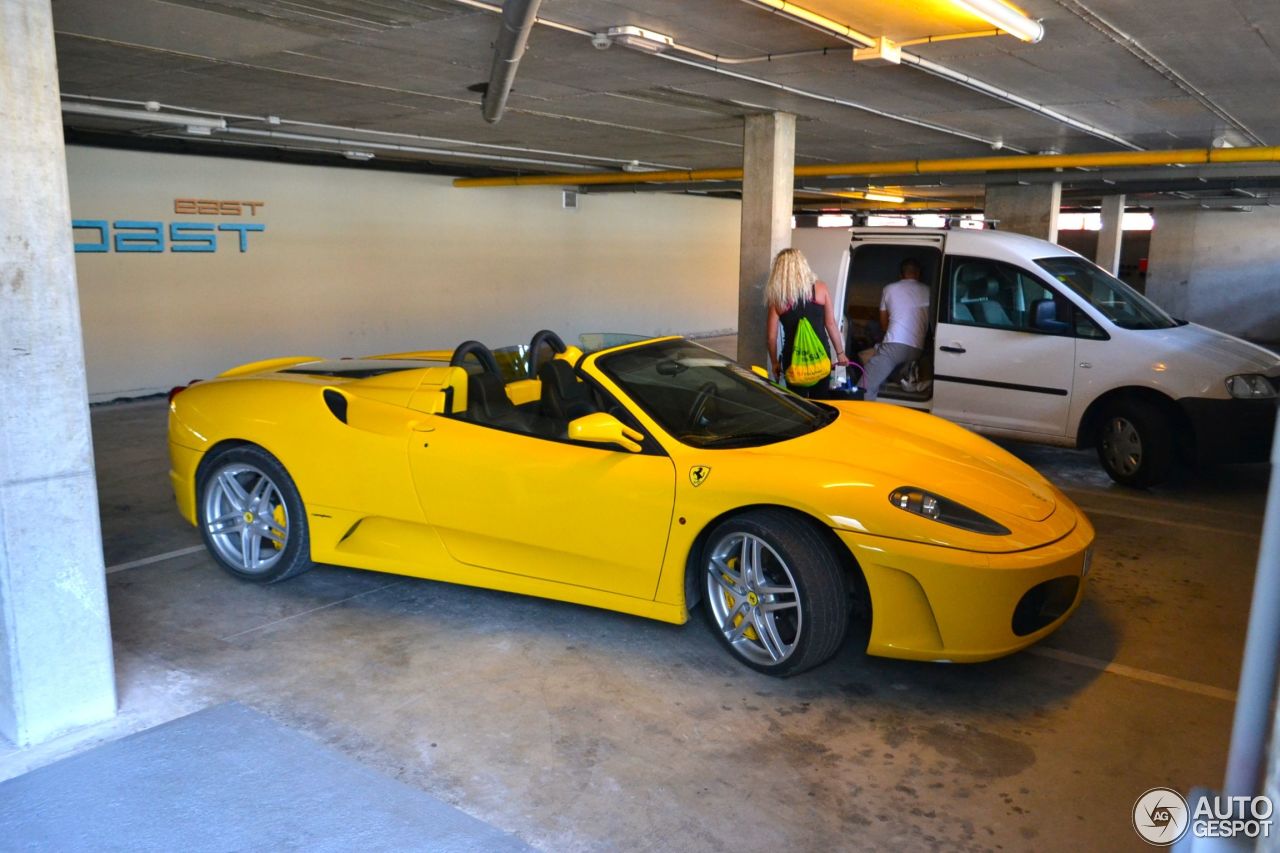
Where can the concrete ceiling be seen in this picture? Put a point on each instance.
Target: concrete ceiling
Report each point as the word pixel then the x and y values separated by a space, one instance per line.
pixel 392 77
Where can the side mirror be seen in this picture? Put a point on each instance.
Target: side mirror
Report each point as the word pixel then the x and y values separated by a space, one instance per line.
pixel 761 372
pixel 604 428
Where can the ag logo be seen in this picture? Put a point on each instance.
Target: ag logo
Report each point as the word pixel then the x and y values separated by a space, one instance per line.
pixel 1160 816
pixel 698 474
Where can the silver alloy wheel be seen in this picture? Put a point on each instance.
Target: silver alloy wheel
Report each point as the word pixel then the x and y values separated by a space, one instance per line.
pixel 246 517
pixel 753 598
pixel 1122 446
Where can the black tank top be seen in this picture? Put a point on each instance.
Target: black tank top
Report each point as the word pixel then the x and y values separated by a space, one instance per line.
pixel 790 319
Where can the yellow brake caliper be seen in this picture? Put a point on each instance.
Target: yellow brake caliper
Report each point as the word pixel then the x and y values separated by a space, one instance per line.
pixel 730 601
pixel 278 515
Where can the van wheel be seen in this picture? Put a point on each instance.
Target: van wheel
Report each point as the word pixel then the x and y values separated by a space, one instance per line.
pixel 1135 443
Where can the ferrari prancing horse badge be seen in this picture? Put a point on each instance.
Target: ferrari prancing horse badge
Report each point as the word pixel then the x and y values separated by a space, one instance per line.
pixel 698 474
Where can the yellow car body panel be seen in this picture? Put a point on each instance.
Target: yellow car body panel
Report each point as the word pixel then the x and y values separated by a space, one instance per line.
pixel 406 486
pixel 577 515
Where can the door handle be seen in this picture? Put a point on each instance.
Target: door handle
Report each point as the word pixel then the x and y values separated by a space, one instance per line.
pixel 956 349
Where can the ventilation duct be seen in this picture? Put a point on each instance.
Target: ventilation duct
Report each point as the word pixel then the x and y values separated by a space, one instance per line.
pixel 518 18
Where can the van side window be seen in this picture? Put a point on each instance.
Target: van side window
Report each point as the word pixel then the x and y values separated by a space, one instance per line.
pixel 997 295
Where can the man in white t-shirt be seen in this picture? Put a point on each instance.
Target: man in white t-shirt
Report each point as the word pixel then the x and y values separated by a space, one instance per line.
pixel 904 315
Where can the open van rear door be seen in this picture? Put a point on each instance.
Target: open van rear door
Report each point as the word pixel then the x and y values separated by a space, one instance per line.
pixel 827 250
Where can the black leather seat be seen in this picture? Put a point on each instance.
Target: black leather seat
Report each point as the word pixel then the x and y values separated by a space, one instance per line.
pixel 488 403
pixel 564 398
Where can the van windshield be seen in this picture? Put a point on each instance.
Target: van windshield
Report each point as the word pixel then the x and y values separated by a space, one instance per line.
pixel 1117 301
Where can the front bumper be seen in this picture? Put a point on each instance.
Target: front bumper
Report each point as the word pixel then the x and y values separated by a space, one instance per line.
pixel 943 604
pixel 1231 430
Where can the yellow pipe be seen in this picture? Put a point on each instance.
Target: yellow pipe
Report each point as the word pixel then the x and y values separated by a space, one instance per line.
pixel 845 207
pixel 1006 163
pixel 977 34
pixel 821 21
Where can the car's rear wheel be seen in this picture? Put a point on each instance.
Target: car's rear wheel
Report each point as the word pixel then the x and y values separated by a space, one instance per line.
pixel 1135 443
pixel 775 594
pixel 251 516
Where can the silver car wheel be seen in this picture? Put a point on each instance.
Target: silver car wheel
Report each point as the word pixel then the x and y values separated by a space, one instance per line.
pixel 1122 446
pixel 246 517
pixel 753 598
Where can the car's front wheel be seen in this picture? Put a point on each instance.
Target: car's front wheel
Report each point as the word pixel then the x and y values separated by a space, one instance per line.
pixel 251 516
pixel 1135 443
pixel 775 594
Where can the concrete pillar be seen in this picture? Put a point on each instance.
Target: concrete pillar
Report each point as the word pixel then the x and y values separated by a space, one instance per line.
pixel 1218 268
pixel 1030 209
pixel 768 182
pixel 56 671
pixel 1109 237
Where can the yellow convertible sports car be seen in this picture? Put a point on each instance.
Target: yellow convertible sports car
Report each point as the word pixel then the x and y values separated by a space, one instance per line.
pixel 644 476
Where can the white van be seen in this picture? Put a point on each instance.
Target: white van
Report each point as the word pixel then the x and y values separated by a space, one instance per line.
pixel 1031 341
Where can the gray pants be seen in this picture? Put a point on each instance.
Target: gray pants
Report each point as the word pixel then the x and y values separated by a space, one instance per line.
pixel 887 357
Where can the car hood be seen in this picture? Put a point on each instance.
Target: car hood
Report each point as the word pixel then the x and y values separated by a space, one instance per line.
pixel 845 472
pixel 1219 351
pixel 931 454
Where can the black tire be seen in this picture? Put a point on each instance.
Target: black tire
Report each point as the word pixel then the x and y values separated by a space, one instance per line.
pixel 1136 443
pixel 248 482
pixel 758 625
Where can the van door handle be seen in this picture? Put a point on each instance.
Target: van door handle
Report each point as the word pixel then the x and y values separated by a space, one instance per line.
pixel 956 349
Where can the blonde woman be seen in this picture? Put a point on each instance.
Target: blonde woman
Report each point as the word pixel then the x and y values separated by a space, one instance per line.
pixel 794 292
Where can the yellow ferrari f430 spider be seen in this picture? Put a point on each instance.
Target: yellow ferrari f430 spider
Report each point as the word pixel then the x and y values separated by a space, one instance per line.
pixel 644 476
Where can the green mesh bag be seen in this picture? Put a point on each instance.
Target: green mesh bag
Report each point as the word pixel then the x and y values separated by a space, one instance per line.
pixel 810 362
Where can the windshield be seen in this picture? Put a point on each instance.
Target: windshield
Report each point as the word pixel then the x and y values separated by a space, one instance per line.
pixel 1117 301
pixel 704 399
pixel 595 341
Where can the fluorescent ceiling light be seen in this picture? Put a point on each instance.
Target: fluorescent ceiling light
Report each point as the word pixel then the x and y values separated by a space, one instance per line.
pixel 359 156
pixel 638 38
pixel 879 196
pixel 1005 17
pixel 865 195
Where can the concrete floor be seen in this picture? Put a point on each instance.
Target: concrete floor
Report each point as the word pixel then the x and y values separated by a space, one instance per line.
pixel 579 729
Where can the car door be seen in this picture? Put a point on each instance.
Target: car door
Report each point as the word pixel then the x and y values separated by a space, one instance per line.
pixel 586 515
pixel 1003 359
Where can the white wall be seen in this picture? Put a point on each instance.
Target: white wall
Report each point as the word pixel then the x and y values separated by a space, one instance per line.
pixel 1218 268
pixel 359 261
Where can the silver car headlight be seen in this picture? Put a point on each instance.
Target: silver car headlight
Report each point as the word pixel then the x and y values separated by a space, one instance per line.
pixel 1250 386
pixel 938 508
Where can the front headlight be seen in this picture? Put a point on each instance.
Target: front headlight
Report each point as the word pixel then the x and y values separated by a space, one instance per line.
pixel 1250 386
pixel 938 508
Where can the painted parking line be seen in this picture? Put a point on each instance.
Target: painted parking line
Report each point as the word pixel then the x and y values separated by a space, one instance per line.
pixel 158 558
pixel 1134 673
pixel 1170 522
pixel 317 609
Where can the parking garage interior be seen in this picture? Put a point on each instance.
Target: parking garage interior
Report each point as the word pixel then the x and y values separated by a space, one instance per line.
pixel 192 186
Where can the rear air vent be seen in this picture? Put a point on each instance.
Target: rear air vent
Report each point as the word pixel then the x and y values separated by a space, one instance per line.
pixel 569 200
pixel 337 404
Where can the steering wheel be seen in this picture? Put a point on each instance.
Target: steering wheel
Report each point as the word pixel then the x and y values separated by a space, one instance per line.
pixel 546 337
pixel 706 394
pixel 482 354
